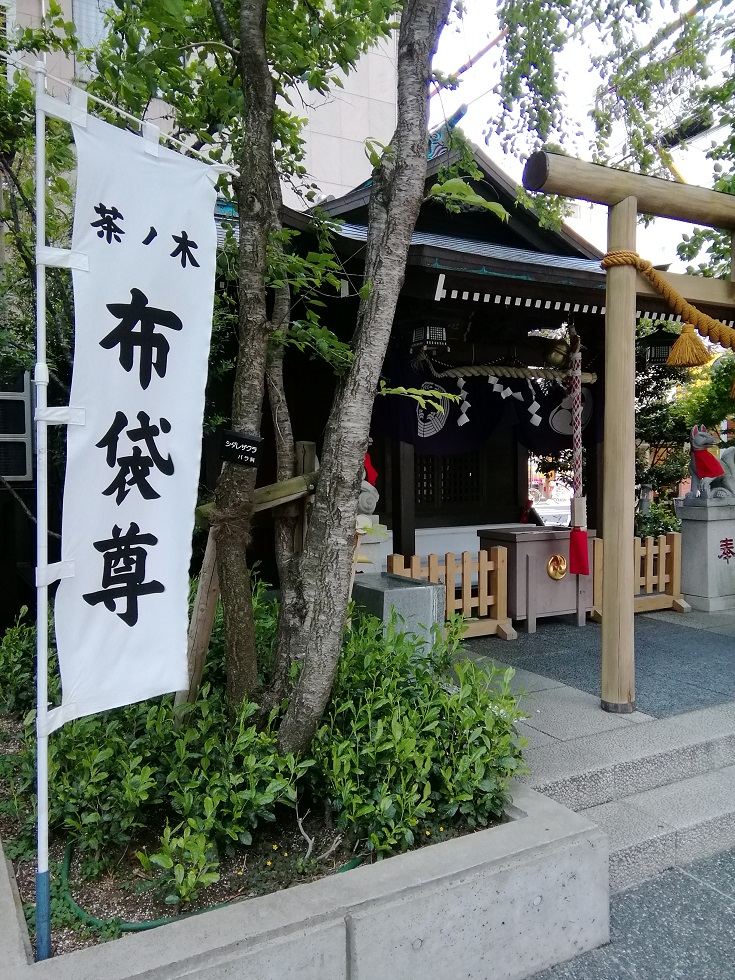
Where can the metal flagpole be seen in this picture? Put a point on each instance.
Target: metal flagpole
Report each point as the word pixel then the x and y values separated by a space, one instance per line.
pixel 41 378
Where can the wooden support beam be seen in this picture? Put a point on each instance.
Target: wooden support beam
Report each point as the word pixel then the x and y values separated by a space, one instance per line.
pixel 403 509
pixel 277 494
pixel 202 620
pixel 267 497
pixel 556 174
pixel 618 669
pixel 696 289
pixel 306 462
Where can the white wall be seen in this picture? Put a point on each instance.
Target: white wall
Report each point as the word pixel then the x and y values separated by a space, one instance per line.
pixel 429 541
pixel 27 13
pixel 340 123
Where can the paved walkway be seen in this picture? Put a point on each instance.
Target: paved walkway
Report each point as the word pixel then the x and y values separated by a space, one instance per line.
pixel 680 924
pixel 683 662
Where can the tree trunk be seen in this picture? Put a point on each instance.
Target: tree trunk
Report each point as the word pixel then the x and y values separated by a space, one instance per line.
pixel 257 216
pixel 322 579
pixel 285 518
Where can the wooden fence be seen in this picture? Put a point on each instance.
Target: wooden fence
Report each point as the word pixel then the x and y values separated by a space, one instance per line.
pixel 656 574
pixel 476 587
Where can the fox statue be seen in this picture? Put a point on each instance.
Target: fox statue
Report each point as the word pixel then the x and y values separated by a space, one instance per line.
pixel 704 468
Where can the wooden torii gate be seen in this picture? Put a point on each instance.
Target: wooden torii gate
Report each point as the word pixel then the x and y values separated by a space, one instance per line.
pixel 627 195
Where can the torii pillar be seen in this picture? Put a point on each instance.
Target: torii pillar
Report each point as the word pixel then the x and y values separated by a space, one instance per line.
pixel 627 195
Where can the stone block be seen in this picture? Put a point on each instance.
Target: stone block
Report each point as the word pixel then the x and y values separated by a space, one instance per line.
pixel 420 605
pixel 500 923
pixel 642 845
pixel 15 947
pixel 567 714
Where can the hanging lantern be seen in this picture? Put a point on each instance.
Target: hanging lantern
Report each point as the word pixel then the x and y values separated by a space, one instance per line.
pixel 656 347
pixel 429 335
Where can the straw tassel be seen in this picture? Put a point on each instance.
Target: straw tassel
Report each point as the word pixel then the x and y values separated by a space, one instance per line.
pixel 688 350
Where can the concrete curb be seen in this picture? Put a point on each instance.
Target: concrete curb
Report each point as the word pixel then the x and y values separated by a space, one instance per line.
pixel 501 904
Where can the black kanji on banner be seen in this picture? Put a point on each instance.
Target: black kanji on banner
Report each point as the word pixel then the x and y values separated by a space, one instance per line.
pixel 123 573
pixel 153 346
pixel 106 224
pixel 135 468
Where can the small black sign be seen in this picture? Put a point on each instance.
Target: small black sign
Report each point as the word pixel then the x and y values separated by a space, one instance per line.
pixel 239 448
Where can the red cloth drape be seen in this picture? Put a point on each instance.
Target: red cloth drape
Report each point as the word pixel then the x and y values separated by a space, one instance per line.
pixel 371 474
pixel 579 560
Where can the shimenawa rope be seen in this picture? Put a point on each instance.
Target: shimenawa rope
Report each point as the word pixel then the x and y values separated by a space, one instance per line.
pixel 688 351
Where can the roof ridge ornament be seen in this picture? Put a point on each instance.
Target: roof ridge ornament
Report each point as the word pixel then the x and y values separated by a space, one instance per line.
pixel 438 139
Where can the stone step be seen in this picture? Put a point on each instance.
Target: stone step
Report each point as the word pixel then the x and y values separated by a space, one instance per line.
pixel 666 827
pixel 612 765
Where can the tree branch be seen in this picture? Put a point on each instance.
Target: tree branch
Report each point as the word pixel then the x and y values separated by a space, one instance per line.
pixel 21 503
pixel 224 25
pixel 25 255
pixel 631 63
pixel 331 849
pixel 309 840
pixel 27 203
pixel 57 381
pixel 210 44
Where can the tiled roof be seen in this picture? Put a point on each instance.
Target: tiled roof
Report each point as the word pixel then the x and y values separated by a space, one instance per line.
pixel 469 246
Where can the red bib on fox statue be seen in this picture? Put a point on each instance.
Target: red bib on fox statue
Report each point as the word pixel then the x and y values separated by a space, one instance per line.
pixel 702 464
pixel 706 463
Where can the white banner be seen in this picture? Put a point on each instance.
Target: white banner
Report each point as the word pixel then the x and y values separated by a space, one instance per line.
pixel 144 218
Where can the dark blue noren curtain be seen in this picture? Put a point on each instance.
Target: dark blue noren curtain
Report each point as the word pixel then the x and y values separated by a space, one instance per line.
pixel 540 411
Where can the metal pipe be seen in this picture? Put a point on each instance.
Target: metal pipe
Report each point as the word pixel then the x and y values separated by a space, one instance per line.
pixel 41 378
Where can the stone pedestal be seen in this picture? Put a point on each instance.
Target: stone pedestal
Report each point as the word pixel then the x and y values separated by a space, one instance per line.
pixel 370 549
pixel 420 605
pixel 708 553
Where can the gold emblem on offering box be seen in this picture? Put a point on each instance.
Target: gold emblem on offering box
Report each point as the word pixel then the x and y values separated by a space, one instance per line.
pixel 556 567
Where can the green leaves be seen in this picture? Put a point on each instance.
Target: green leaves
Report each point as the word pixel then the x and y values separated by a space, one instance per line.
pixel 400 747
pixel 423 396
pixel 375 150
pixel 188 861
pixel 458 192
pixel 17 666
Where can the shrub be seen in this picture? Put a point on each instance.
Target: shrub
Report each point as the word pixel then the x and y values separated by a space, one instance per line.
pixel 660 520
pixel 400 748
pixel 225 778
pixel 102 773
pixel 399 743
pixel 117 771
pixel 18 666
pixel 188 864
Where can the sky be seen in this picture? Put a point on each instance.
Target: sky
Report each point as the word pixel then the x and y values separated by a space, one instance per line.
pixel 463 39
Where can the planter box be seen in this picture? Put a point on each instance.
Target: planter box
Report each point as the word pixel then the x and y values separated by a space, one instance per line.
pixel 501 904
